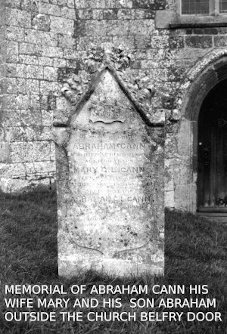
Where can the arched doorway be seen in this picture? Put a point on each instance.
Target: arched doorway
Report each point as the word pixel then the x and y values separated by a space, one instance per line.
pixel 203 90
pixel 212 151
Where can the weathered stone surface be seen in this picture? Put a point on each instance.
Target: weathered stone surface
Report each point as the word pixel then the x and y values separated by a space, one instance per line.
pixel 47 46
pixel 41 22
pixel 111 198
pixel 4 152
pixel 199 41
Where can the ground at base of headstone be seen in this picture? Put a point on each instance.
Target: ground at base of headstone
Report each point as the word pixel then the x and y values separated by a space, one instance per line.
pixel 195 253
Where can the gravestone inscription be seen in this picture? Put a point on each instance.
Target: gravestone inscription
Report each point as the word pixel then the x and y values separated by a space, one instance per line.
pixel 110 187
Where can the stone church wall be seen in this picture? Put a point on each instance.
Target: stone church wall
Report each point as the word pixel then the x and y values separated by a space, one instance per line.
pixel 51 53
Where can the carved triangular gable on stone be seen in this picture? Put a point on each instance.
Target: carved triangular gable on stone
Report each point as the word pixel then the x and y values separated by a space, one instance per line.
pixel 107 102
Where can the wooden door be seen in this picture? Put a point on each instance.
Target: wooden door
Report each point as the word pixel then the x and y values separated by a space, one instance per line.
pixel 212 164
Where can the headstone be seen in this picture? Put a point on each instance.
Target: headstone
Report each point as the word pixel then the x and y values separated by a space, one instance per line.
pixel 110 187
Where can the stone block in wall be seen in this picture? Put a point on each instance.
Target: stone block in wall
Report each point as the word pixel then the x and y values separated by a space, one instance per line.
pixel 4 151
pixel 34 72
pixel 204 31
pixel 65 41
pixel 169 198
pixel 185 197
pixel 30 49
pixel 220 41
pixel 30 6
pixel 41 38
pixel 28 71
pixel 125 14
pixel 97 14
pixel 161 42
pixel 10 117
pixel 30 151
pixel 222 30
pixel 185 138
pixel 85 14
pixel 71 3
pixel 84 4
pixel 176 42
pixel 45 133
pixel 182 171
pixel 16 102
pixel 50 73
pixel 61 114
pixel 47 118
pixel 110 14
pixel 14 86
pixel 41 22
pixel 15 33
pixel 170 147
pixel 126 43
pixel 143 4
pixel 30 117
pixel 142 41
pixel 52 52
pixel 27 170
pixel 28 59
pixel 61 25
pixel 10 185
pixel 28 133
pixel 163 18
pixel 199 41
pixel 13 4
pixel 16 17
pixel 46 61
pixel 124 3
pixel 32 86
pixel 68 13
pixel 12 51
pixel 143 14
pixel 50 9
pixel 144 27
pixel 20 133
pixel 62 104
pixel 47 86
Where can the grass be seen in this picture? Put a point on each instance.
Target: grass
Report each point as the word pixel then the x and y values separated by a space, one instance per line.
pixel 195 251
